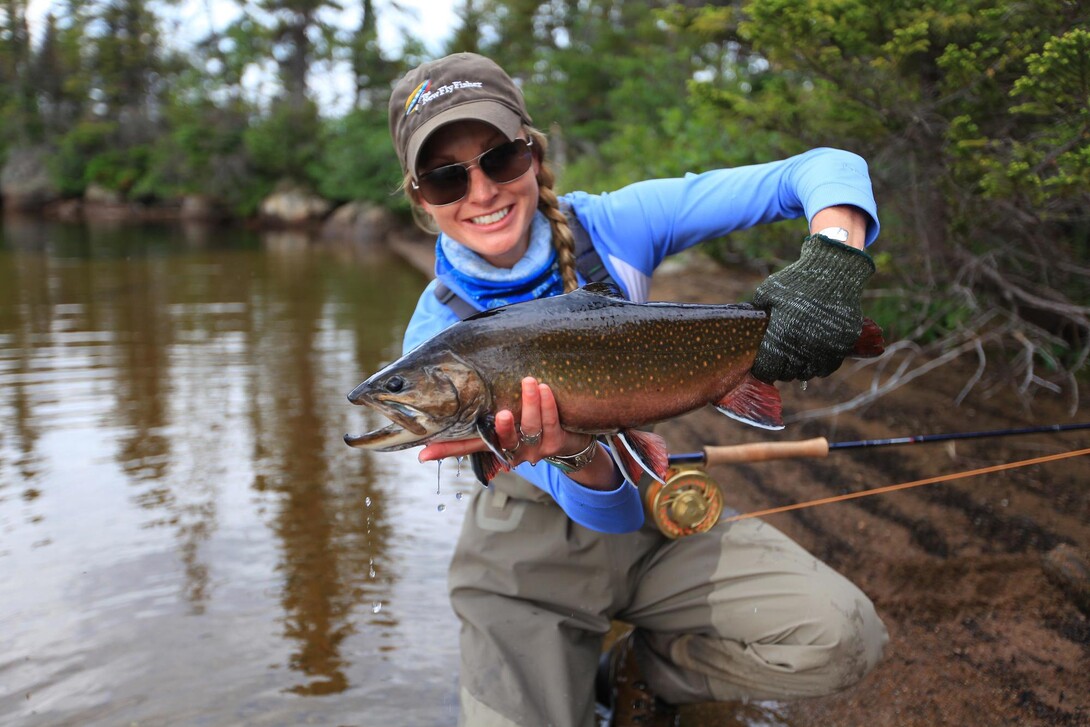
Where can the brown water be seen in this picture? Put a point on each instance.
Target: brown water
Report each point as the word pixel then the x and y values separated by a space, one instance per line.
pixel 184 537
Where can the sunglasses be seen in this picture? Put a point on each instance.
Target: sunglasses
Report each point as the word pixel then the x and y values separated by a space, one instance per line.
pixel 450 183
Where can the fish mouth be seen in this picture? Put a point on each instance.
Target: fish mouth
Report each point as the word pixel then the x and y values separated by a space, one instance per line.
pixel 406 427
pixel 390 438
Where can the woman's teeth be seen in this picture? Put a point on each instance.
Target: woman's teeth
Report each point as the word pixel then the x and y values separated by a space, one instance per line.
pixel 489 219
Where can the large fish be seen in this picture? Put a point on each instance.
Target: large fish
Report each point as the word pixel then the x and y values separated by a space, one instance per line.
pixel 613 366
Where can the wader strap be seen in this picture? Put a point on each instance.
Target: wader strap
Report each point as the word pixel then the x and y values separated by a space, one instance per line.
pixel 455 302
pixel 587 261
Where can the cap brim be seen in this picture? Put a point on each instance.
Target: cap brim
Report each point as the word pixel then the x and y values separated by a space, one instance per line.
pixel 506 121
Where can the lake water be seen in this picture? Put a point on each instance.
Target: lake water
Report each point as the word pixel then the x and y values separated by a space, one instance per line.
pixel 185 539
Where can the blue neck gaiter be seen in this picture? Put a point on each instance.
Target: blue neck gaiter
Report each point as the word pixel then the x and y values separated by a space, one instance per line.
pixel 536 275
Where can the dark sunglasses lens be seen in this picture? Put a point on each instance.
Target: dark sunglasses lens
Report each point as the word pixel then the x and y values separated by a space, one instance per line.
pixel 445 184
pixel 504 163
pixel 507 162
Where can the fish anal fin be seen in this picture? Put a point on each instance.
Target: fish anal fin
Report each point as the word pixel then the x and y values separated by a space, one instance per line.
pixel 637 452
pixel 753 402
pixel 870 343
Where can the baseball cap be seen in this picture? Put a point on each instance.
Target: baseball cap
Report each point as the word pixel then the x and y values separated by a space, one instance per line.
pixel 458 87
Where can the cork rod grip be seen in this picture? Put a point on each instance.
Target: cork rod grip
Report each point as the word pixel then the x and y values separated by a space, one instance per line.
pixel 758 452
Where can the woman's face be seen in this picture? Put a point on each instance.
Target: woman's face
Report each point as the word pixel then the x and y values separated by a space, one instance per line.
pixel 492 220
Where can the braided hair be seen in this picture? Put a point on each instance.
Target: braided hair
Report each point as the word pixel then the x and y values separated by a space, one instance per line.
pixel 547 202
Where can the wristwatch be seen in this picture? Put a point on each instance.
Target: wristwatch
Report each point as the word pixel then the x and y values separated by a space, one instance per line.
pixel 837 234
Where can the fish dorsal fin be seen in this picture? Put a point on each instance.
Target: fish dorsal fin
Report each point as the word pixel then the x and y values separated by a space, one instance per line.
pixel 610 290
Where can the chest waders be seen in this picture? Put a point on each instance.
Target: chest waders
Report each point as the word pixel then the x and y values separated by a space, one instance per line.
pixel 690 502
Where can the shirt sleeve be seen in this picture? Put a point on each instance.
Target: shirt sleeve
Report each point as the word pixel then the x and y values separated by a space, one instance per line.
pixel 609 511
pixel 670 215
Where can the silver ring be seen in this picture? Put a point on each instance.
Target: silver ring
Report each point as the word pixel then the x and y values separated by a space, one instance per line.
pixel 510 453
pixel 532 439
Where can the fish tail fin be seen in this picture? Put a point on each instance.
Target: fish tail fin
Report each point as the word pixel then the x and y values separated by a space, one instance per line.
pixel 636 452
pixel 486 466
pixel 870 343
pixel 753 402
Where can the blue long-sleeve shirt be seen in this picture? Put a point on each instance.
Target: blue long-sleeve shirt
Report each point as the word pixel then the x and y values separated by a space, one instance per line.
pixel 635 228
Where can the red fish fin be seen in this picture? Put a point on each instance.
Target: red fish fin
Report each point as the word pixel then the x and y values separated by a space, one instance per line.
pixel 636 452
pixel 870 343
pixel 486 466
pixel 753 402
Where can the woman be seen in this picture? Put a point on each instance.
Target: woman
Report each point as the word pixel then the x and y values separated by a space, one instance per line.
pixel 551 553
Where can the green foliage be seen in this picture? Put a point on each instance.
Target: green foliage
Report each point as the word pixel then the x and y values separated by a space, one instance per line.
pixel 975 117
pixel 358 161
pixel 77 149
pixel 285 142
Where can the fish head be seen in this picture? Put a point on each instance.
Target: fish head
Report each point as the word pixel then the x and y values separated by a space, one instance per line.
pixel 425 402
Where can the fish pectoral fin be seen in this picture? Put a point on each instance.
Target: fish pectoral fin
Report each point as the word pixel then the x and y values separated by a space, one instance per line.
pixel 486 466
pixel 753 402
pixel 636 452
pixel 870 343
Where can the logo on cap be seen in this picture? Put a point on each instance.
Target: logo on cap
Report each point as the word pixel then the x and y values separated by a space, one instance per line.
pixel 414 97
pixel 422 95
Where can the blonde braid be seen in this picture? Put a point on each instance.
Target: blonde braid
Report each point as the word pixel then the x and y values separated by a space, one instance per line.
pixel 549 204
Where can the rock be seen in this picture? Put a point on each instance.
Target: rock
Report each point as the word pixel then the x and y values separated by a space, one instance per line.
pixel 292 204
pixel 25 182
pixel 96 194
pixel 1069 569
pixel 199 207
pixel 359 222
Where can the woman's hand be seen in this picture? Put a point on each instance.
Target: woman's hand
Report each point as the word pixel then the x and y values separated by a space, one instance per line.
pixel 537 435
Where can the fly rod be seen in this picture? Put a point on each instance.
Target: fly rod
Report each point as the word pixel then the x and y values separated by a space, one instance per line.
pixel 820 446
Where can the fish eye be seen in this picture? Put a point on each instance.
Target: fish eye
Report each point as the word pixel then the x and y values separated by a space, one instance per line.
pixel 395 384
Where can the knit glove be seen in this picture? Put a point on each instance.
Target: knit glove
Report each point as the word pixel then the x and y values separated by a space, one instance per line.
pixel 815 316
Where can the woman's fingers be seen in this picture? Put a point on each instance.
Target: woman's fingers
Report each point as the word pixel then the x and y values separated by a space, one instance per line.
pixel 458 448
pixel 531 411
pixel 537 434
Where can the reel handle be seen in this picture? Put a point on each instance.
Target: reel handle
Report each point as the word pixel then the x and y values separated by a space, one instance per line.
pixel 760 451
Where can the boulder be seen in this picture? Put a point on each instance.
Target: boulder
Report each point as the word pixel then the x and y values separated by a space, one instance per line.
pixel 359 222
pixel 25 182
pixel 200 208
pixel 96 195
pixel 291 204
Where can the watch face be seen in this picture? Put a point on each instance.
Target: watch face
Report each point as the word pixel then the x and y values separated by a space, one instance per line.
pixel 834 233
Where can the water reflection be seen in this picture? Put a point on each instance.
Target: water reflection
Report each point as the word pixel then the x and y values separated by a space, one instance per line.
pixel 177 508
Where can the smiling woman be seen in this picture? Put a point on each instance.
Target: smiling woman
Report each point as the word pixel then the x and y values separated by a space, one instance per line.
pixel 535 607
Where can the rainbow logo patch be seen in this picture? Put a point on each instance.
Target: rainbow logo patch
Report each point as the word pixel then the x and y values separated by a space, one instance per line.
pixel 414 97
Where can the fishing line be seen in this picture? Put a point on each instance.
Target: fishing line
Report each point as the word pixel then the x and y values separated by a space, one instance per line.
pixel 907 485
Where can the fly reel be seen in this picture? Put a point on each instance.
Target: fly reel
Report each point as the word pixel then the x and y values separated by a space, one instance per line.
pixel 690 502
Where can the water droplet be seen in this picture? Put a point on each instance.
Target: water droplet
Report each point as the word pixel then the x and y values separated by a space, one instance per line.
pixel 802 385
pixel 371 572
pixel 441 508
pixel 457 496
pixel 367 501
pixel 376 607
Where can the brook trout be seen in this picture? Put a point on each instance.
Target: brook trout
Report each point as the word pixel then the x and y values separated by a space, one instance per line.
pixel 613 366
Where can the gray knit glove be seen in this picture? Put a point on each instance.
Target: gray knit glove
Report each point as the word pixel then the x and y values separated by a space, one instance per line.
pixel 815 316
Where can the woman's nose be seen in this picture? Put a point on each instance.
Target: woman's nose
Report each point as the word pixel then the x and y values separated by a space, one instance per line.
pixel 481 186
